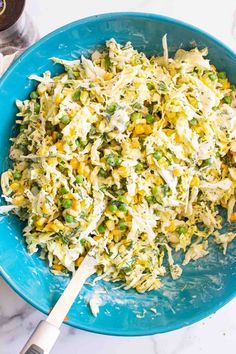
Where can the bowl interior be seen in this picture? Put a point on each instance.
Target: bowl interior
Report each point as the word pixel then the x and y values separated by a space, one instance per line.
pixel 205 285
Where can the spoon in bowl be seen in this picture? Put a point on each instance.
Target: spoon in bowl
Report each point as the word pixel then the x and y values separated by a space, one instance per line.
pixel 47 331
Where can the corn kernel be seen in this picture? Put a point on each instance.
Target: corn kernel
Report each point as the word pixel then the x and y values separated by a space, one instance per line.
pixel 233 217
pixel 110 225
pixel 123 171
pixel 18 200
pixel 168 132
pixel 71 112
pixel 122 249
pixel 51 160
pixel 58 267
pixel 176 173
pixel 79 261
pixel 58 98
pixel 195 181
pixel 135 143
pixel 42 151
pixel 148 129
pixel 171 115
pixel 84 96
pixel 60 146
pixel 120 214
pixel 107 76
pixel 74 163
pixel 96 238
pixel 14 186
pixel 76 205
pixel 139 129
pixel 46 209
pixel 171 227
pixel 83 169
pixel 178 139
pixel 40 222
pixel 226 85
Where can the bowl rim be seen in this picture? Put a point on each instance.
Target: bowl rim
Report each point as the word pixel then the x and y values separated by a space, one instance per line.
pixel 109 16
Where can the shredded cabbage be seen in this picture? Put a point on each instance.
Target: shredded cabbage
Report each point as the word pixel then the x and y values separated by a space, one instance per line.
pixel 128 156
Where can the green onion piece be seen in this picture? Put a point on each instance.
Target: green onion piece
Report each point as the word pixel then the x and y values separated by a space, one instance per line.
pixel 65 119
pixel 228 99
pixel 76 95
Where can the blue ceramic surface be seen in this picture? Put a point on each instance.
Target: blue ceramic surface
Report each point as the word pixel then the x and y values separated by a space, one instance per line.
pixel 206 285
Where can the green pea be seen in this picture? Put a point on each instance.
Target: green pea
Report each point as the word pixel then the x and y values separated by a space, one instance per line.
pixel 79 179
pixel 76 95
pixel 101 229
pixel 66 203
pixel 212 77
pixel 157 155
pixel 193 122
pixel 63 190
pixel 17 175
pixel 181 230
pixel 34 95
pixel 69 218
pixel 122 225
pixel 36 107
pixel 222 75
pixel 123 207
pixel 139 167
pixel 228 99
pixel 112 208
pixel 65 119
pixel 232 87
pixel 111 108
pixel 150 119
pixel 82 241
pixel 135 115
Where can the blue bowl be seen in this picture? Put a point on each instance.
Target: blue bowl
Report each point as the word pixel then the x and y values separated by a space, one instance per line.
pixel 206 285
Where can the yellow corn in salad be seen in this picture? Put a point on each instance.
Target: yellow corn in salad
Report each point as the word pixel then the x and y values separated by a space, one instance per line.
pixel 129 156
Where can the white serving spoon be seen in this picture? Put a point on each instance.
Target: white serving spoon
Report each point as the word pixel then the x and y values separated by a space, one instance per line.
pixel 47 332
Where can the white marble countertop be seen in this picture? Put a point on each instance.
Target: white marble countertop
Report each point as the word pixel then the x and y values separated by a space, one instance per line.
pixel 216 334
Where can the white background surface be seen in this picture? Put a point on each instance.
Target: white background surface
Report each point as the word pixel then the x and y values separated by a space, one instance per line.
pixel 216 334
